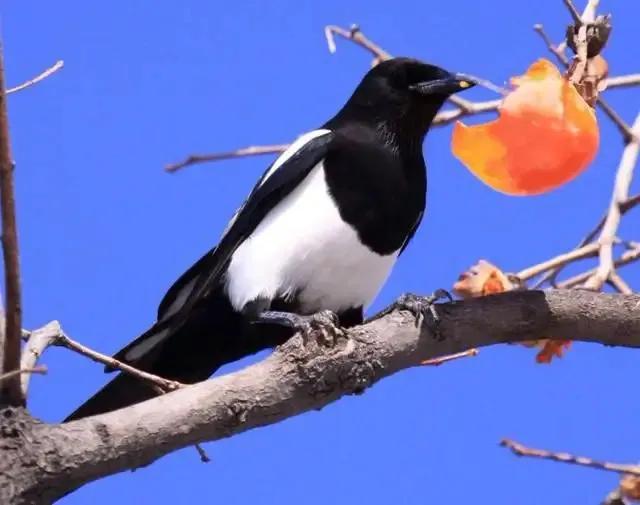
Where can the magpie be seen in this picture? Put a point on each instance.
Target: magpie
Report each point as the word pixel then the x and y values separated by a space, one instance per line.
pixel 320 231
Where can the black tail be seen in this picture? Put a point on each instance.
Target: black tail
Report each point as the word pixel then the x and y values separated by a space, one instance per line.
pixel 213 335
pixel 121 392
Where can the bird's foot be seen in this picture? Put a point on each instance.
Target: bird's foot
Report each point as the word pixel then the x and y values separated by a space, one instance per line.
pixel 324 323
pixel 421 306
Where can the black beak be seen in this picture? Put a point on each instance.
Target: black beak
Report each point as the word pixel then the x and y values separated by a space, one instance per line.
pixel 447 86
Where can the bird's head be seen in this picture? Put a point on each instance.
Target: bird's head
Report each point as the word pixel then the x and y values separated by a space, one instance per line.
pixel 403 94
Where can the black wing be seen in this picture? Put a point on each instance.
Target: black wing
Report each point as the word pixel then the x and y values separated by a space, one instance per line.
pixel 204 276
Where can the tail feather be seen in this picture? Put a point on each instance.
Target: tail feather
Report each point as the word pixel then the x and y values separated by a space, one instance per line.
pixel 121 392
pixel 213 335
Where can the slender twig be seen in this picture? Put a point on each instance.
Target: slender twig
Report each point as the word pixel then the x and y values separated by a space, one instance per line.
pixel 560 260
pixel 443 118
pixel 624 175
pixel 41 76
pixel 449 116
pixel 555 50
pixel 164 385
pixel 451 357
pixel 619 284
pixel 10 353
pixel 204 457
pixel 575 14
pixel 622 81
pixel 41 369
pixel 627 205
pixel 225 155
pixel 552 274
pixel 626 258
pixel 625 130
pixel 563 457
pixel 355 35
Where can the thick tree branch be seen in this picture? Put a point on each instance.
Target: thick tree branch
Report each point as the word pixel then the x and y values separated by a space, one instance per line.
pixel 293 380
pixel 10 391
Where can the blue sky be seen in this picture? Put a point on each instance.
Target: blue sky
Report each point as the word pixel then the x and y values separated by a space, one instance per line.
pixel 104 231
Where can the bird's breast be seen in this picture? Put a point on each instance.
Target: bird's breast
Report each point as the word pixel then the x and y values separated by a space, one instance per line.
pixel 304 250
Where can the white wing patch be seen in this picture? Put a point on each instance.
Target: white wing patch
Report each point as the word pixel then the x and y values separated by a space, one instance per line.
pixel 290 151
pixel 180 298
pixel 136 352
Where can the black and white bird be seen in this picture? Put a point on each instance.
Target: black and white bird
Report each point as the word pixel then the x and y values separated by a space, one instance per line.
pixel 321 230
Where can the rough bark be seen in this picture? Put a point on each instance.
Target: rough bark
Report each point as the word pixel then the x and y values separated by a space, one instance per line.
pixel 40 463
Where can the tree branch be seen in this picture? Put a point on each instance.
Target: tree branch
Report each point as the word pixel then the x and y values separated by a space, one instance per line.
pixel 41 369
pixel 225 155
pixel 563 457
pixel 295 379
pixel 551 274
pixel 628 257
pixel 37 342
pixel 10 391
pixel 624 176
pixel 160 384
pixel 41 76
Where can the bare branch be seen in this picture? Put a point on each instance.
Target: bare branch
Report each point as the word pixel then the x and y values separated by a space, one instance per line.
pixel 575 14
pixel 470 109
pixel 37 342
pixel 10 391
pixel 555 50
pixel 625 130
pixel 43 75
pixel 585 251
pixel 443 118
pixel 450 357
pixel 622 81
pixel 619 284
pixel 626 258
pixel 225 155
pixel 204 457
pixel 41 369
pixel 162 385
pixel 355 35
pixel 563 457
pixel 552 274
pixel 624 176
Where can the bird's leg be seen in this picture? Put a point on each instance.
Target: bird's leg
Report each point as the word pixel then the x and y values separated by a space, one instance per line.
pixel 420 306
pixel 324 322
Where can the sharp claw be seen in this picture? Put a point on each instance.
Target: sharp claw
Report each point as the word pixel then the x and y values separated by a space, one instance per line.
pixel 325 322
pixel 419 307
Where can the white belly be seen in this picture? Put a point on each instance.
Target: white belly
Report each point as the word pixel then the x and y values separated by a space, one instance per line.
pixel 303 248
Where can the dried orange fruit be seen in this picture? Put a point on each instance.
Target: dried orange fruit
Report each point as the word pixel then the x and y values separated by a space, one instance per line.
pixel 545 135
